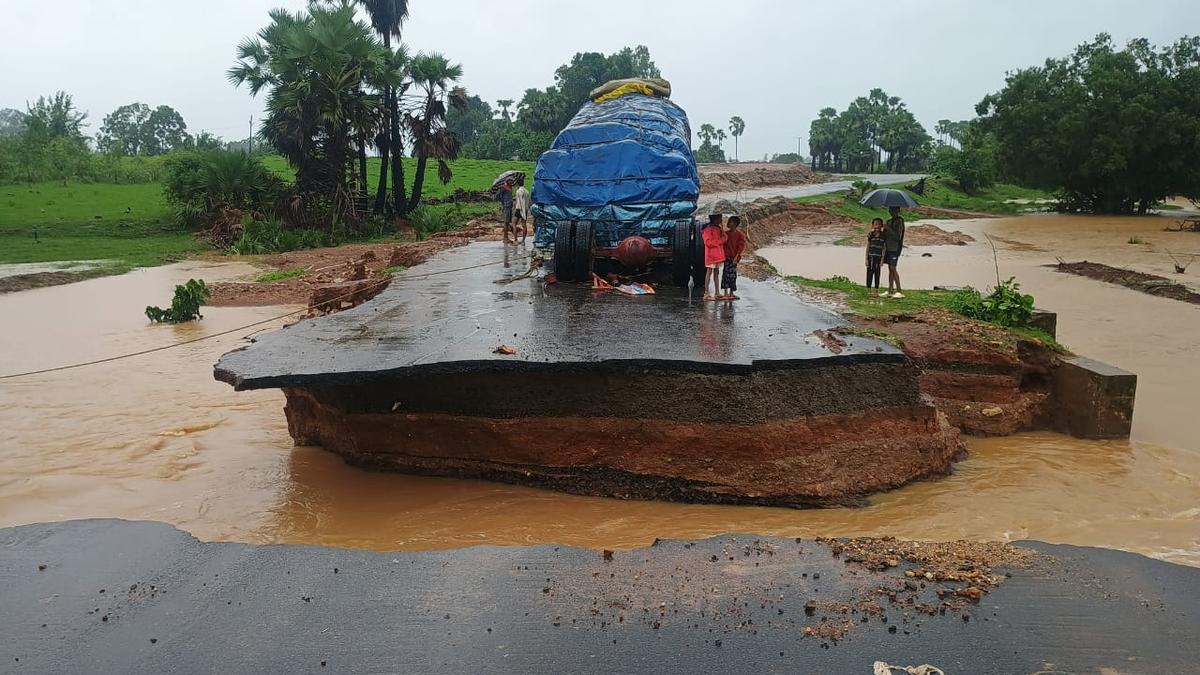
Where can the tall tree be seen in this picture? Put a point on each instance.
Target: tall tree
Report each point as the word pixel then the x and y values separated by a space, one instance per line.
pixel 736 128
pixel 123 130
pixel 56 117
pixel 165 131
pixel 433 78
pixel 466 124
pixel 12 122
pixel 505 104
pixel 319 67
pixel 387 18
pixel 1112 130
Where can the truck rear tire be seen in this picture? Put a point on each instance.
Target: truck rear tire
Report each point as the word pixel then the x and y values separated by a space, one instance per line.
pixel 584 236
pixel 698 255
pixel 681 254
pixel 564 251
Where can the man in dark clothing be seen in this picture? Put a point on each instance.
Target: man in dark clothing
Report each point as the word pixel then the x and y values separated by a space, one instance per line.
pixel 893 234
pixel 505 195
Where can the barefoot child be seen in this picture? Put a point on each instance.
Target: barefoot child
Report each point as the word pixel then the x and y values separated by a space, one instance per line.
pixel 735 245
pixel 876 243
pixel 714 254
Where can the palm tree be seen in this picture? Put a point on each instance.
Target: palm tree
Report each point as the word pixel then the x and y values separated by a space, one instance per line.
pixel 433 76
pixel 736 127
pixel 505 104
pixel 318 68
pixel 720 135
pixel 707 133
pixel 387 18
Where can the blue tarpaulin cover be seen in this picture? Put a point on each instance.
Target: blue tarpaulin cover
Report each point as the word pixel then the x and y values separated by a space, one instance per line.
pixel 626 165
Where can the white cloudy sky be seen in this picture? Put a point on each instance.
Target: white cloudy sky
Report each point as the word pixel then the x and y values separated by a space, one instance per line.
pixel 773 62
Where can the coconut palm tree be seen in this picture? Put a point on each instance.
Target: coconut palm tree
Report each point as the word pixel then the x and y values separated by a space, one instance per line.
pixel 736 127
pixel 387 18
pixel 432 79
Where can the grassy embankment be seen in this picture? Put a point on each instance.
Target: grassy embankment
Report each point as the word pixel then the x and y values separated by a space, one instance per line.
pixel 859 301
pixel 132 226
pixel 939 194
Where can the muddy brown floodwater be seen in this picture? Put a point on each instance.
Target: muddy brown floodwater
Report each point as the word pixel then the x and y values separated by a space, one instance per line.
pixel 157 438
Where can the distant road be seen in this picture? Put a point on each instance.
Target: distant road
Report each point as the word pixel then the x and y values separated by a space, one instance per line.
pixel 793 191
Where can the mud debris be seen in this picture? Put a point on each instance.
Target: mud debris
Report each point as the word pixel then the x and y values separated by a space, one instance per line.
pixel 343 276
pixel 1151 284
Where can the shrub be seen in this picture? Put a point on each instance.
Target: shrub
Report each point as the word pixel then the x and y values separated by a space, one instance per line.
pixel 426 221
pixel 271 236
pixel 861 187
pixel 199 183
pixel 1006 305
pixel 185 306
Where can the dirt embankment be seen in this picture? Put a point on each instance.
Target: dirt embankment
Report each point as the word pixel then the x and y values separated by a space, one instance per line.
pixel 924 234
pixel 744 176
pixel 767 219
pixel 25 282
pixel 986 381
pixel 1151 284
pixel 341 276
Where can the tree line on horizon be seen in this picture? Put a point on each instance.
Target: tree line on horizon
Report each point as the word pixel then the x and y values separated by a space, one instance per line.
pixel 1107 129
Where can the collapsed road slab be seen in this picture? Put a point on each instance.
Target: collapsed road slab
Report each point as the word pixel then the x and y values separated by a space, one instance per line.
pixel 107 596
pixel 662 396
pixel 448 315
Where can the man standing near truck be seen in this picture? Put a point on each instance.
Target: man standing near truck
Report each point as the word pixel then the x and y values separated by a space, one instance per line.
pixel 505 195
pixel 521 207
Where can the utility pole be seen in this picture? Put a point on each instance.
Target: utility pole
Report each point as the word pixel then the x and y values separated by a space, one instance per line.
pixel 799 152
pixel 251 139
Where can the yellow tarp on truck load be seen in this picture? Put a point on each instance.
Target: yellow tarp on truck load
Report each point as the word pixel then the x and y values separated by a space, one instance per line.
pixel 618 88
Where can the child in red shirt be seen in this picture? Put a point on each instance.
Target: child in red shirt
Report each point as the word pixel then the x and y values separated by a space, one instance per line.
pixel 735 245
pixel 714 255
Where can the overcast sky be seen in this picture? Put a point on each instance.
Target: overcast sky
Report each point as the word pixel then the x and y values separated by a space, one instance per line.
pixel 773 62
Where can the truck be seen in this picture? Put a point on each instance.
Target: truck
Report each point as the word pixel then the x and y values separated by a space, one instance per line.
pixel 617 190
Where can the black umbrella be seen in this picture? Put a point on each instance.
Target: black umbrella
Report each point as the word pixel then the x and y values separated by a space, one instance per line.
pixel 889 197
pixel 514 176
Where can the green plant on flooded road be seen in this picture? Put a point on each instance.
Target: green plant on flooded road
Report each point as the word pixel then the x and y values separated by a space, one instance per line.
pixel 185 306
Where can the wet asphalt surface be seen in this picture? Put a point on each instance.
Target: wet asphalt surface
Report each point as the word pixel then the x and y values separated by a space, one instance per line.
pixel 449 315
pixel 108 596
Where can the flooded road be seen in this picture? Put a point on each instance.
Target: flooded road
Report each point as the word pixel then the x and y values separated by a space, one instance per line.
pixel 155 437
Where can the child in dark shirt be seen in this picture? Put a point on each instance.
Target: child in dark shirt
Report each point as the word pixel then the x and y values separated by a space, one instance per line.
pixel 735 246
pixel 876 243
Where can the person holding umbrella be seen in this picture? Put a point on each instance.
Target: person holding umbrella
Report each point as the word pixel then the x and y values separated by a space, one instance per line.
pixel 893 236
pixel 893 232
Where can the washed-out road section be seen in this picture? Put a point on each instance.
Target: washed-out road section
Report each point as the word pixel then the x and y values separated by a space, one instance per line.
pixel 662 396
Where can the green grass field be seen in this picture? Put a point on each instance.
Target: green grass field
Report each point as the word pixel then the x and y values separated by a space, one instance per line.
pixel 131 225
